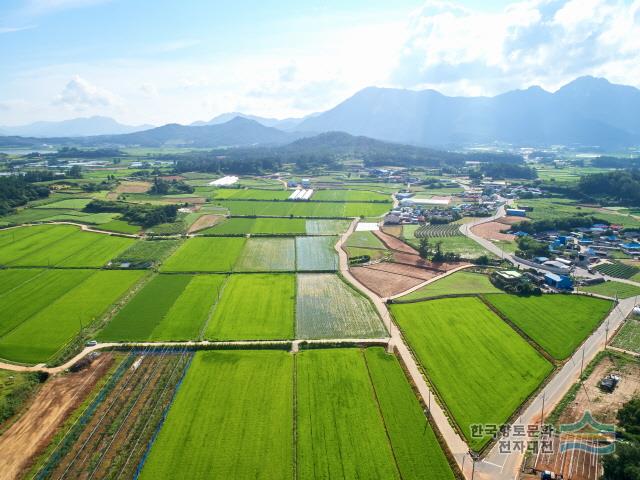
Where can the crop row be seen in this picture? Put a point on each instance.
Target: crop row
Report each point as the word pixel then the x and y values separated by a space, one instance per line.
pixel 434 231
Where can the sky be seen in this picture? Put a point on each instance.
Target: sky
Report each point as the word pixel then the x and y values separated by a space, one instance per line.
pixel 162 61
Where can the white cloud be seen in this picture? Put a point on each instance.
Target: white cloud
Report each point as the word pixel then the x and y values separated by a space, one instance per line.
pixel 16 29
pixel 149 90
pixel 79 94
pixel 548 42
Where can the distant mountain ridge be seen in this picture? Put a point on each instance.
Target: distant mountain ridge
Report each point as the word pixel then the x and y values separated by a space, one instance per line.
pixel 76 127
pixel 588 111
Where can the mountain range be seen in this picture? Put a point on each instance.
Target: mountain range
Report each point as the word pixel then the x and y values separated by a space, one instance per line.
pixel 77 127
pixel 588 112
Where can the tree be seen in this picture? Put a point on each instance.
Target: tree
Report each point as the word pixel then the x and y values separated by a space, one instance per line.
pixel 624 464
pixel 629 418
pixel 424 248
pixel 75 172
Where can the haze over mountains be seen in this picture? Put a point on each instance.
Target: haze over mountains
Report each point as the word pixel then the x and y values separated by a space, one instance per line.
pixel 587 112
pixel 77 127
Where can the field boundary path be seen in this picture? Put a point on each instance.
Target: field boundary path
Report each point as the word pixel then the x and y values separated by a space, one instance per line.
pixel 204 344
pixel 457 446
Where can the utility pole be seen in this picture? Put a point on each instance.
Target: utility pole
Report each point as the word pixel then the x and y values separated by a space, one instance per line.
pixel 582 363
pixel 542 416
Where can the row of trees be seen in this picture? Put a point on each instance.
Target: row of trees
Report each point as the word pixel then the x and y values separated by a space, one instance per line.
pixel 17 191
pixel 144 215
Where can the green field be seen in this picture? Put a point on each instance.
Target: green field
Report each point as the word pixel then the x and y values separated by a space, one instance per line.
pixel 628 337
pixel 460 283
pixel 558 323
pixel 249 194
pixel 349 196
pixel 258 226
pixel 16 388
pixel 611 289
pixel 255 307
pixel 232 418
pixel 618 270
pixel 48 311
pixel 58 245
pixel 326 307
pixel 71 204
pixel 481 368
pixel 267 255
pixel 326 227
pixel 147 251
pixel 450 238
pixel 305 209
pixel 316 253
pixel 365 243
pixel 169 307
pixel 205 254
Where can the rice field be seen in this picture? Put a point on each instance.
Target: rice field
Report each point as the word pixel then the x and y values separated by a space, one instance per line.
pixel 316 254
pixel 255 307
pixel 556 322
pixel 305 209
pixel 267 255
pixel 58 245
pixel 249 194
pixel 612 289
pixel 460 283
pixel 258 226
pixel 481 368
pixel 205 254
pixel 71 204
pixel 326 307
pixel 333 413
pixel 169 307
pixel 47 311
pixel 145 252
pixel 350 196
pixel 232 418
pixel 326 227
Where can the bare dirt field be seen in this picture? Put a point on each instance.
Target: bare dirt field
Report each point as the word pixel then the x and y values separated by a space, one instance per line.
pixel 392 243
pixel 393 230
pixel 133 187
pixel 171 178
pixel 493 231
pixel 31 433
pixel 604 406
pixel 179 200
pixel 405 270
pixel 579 465
pixel 382 283
pixel 415 260
pixel 205 221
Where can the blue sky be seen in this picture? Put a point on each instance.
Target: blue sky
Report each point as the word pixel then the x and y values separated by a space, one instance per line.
pixel 157 61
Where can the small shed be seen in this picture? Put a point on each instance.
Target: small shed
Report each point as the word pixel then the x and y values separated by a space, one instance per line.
pixel 516 212
pixel 561 282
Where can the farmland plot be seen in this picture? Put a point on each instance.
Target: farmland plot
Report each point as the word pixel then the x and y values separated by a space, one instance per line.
pixel 350 196
pixel 255 307
pixel 145 252
pixel 339 428
pixel 249 194
pixel 416 449
pixel 457 283
pixel 611 289
pixel 326 307
pixel 59 245
pixel 464 348
pixel 48 330
pixel 316 253
pixel 628 337
pixel 205 254
pixel 326 227
pixel 558 323
pixel 232 418
pixel 268 255
pixel 169 307
pixel 257 226
pixel 305 209
pixel 71 203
